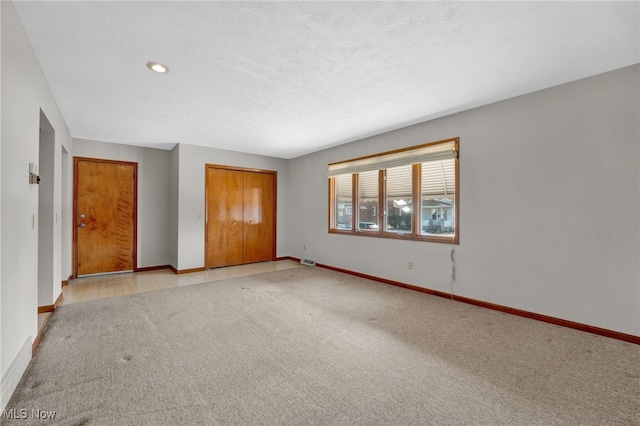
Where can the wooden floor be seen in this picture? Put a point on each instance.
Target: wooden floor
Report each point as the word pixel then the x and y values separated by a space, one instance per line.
pixel 101 286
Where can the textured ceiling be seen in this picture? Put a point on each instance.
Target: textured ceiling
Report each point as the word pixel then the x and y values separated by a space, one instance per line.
pixel 289 78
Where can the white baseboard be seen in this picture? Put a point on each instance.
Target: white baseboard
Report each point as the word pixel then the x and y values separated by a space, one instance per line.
pixel 14 373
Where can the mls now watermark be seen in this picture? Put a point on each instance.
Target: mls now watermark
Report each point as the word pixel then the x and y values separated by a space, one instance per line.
pixel 23 413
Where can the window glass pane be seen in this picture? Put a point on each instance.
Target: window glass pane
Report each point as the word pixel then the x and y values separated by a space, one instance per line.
pixel 344 202
pixel 368 200
pixel 399 199
pixel 438 198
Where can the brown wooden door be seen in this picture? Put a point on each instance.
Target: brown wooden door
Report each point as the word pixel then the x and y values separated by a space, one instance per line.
pixel 104 216
pixel 259 199
pixel 224 217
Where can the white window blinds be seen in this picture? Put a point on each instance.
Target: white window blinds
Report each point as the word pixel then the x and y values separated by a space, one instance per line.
pixel 434 152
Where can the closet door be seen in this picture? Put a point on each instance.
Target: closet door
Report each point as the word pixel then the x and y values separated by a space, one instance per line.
pixel 224 217
pixel 259 211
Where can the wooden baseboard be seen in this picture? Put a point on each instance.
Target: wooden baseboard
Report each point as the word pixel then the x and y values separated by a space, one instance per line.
pixel 287 258
pixel 46 308
pixel 506 309
pixel 186 271
pixel 152 268
pixel 50 308
pixel 58 301
pixel 35 344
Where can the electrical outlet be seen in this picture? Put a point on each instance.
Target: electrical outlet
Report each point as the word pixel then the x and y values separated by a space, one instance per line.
pixel 410 266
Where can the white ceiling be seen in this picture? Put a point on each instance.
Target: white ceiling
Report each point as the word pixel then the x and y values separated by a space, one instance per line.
pixel 288 78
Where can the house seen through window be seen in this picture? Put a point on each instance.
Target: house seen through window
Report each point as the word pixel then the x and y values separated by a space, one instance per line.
pixel 410 193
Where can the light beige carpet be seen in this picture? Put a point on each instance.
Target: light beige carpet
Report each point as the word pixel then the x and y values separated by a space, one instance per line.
pixel 311 346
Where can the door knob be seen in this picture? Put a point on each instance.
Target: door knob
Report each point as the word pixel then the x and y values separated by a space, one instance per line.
pixel 82 225
pixel 82 216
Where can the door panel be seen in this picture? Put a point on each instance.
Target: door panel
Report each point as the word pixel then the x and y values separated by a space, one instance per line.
pixel 259 199
pixel 224 217
pixel 105 203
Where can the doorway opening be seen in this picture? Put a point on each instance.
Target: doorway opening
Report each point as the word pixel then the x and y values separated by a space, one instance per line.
pixel 46 219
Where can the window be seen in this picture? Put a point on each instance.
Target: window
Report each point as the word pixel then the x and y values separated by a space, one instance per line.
pixel 399 204
pixel 368 200
pixel 408 194
pixel 344 202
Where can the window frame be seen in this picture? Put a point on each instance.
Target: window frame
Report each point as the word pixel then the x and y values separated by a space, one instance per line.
pixel 382 213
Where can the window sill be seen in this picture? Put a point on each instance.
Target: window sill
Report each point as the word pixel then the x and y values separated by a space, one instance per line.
pixel 396 236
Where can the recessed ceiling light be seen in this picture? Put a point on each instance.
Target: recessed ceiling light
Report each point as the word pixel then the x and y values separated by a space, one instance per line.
pixel 156 67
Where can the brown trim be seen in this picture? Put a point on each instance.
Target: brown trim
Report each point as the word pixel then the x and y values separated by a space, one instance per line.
pixel 35 344
pixel 76 160
pixel 50 308
pixel 74 220
pixel 395 151
pixel 239 169
pixel 135 215
pixel 456 196
pixel 274 215
pixel 506 309
pixel 64 282
pixel 45 309
pixel 151 268
pixel 394 236
pixel 41 328
pixel 186 271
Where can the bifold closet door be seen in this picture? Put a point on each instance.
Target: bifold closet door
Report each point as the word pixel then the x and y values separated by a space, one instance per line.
pixel 259 202
pixel 224 217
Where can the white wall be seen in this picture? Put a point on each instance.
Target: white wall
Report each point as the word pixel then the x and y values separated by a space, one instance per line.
pixel 153 194
pixel 191 181
pixel 174 200
pixel 48 281
pixel 25 92
pixel 3 392
pixel 549 210
pixel 66 235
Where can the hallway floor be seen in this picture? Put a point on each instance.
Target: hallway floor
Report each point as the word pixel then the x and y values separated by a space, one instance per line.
pixel 110 285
